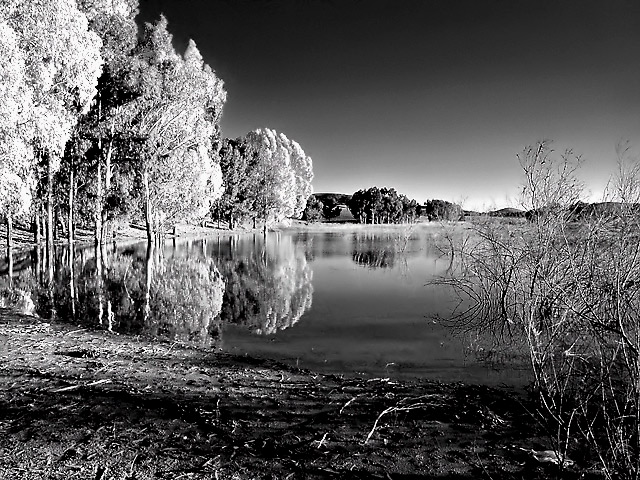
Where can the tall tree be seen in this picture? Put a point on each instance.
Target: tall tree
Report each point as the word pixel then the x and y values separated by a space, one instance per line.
pixel 15 149
pixel 236 201
pixel 114 22
pixel 275 198
pixel 176 114
pixel 61 65
pixel 302 167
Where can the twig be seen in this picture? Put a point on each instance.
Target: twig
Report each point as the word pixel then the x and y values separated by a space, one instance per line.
pixel 375 424
pixel 398 408
pixel 74 387
pixel 347 404
pixel 77 331
pixel 133 463
pixel 100 472
pixel 323 440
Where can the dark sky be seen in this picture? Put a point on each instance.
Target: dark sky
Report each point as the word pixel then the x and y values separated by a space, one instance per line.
pixel 432 97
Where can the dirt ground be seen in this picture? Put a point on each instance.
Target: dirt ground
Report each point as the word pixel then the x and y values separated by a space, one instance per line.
pixel 80 404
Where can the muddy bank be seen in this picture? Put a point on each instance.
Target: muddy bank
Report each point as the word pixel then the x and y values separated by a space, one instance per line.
pixel 88 404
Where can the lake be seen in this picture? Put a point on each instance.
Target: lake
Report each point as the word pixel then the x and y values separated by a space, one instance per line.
pixel 353 302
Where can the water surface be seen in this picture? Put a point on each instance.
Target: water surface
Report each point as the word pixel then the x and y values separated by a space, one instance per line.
pixel 349 302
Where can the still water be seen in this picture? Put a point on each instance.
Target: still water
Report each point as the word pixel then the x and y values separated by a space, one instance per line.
pixel 349 302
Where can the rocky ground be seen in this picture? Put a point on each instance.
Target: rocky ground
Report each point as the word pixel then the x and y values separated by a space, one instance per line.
pixel 80 404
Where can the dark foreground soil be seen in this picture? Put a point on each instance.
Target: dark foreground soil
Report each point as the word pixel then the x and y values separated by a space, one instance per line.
pixel 78 404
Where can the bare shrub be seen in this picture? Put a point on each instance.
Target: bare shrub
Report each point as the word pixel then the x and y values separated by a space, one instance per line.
pixel 569 281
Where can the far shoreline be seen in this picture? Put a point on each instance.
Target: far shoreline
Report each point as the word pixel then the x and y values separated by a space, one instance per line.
pixel 135 234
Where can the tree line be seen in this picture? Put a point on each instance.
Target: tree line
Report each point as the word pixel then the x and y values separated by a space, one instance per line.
pixel 380 206
pixel 101 120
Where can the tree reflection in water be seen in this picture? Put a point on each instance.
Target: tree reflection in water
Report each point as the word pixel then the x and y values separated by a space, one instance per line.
pixel 182 292
pixel 374 251
pixel 183 298
pixel 268 283
pixel 135 291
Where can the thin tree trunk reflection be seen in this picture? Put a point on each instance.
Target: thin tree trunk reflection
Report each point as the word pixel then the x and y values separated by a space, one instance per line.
pixel 99 282
pixel 10 261
pixel 72 276
pixel 148 279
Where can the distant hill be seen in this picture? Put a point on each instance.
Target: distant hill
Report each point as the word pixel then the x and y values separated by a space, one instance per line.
pixel 579 210
pixel 335 198
pixel 593 209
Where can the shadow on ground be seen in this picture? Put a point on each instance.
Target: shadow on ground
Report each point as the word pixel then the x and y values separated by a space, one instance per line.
pixel 83 404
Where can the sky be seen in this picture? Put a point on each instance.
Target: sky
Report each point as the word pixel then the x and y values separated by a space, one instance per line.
pixel 431 97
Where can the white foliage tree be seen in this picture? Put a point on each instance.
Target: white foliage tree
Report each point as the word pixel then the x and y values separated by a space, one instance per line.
pixel 15 149
pixel 176 116
pixel 62 64
pixel 302 166
pixel 281 173
pixel 55 62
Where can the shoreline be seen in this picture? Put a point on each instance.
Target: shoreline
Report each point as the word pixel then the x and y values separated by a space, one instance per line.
pixel 135 234
pixel 80 403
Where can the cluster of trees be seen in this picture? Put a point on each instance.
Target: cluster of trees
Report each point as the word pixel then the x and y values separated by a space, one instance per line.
pixel 324 206
pixel 101 120
pixel 382 205
pixel 436 210
pixel 379 205
pixel 266 177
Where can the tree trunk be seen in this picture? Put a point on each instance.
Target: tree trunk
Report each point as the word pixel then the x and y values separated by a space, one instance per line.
pixel 43 223
pixel 38 264
pixel 100 280
pixel 107 171
pixel 36 228
pixel 10 262
pixel 10 248
pixel 107 186
pixel 264 227
pixel 147 208
pixel 98 214
pixel 71 195
pixel 50 253
pixel 158 229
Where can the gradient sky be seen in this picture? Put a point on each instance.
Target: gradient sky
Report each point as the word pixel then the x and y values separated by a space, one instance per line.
pixel 432 97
